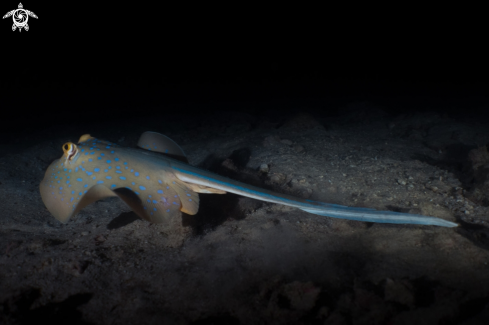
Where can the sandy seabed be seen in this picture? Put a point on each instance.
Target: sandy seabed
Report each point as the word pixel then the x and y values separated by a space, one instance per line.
pixel 243 261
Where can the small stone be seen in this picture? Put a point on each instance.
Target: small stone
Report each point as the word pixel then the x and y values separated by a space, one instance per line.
pixel 263 168
pixel 298 148
pixel 277 178
pixel 100 238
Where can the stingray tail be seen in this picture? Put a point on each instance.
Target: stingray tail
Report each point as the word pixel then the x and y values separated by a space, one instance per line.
pixel 193 175
pixel 372 215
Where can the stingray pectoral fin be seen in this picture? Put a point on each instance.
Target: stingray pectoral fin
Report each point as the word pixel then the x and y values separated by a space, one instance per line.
pixel 158 142
pixel 63 207
pixel 189 199
pixel 160 202
pixel 95 193
pixel 134 202
pixel 85 137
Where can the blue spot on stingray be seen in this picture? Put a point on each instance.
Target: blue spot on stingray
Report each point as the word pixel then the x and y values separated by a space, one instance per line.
pixel 82 150
pixel 72 192
pixel 149 195
pixel 144 208
pixel 96 170
pixel 93 177
pixel 127 167
pixel 89 173
pixel 108 161
pixel 159 181
pixel 55 177
pixel 76 169
pixel 142 188
pixel 65 169
pixel 86 153
pixel 106 170
pixel 118 172
pixel 154 201
pixel 102 154
pixel 125 163
pixel 149 201
pixel 82 168
pixel 147 177
pixel 69 171
pixel 85 186
pixel 122 177
pixel 133 183
pixel 159 192
pixel 168 187
pixel 188 194
pixel 80 193
pixel 91 148
pixel 168 210
pixel 99 158
pixel 110 167
pixel 174 202
pixel 90 160
pixel 131 170
pixel 136 174
pixel 72 199
pixel 154 209
pixel 108 177
pixel 190 199
pixel 67 176
pixel 113 185
pixel 69 185
pixel 108 147
pixel 67 182
pixel 100 182
pixel 117 167
pixel 136 193
pixel 116 159
pixel 112 151
pixel 92 153
pixel 79 179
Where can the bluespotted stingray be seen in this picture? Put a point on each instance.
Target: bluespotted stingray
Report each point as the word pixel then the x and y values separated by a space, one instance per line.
pixel 157 183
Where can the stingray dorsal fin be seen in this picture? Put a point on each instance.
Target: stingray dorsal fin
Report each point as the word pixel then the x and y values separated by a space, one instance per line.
pixel 158 142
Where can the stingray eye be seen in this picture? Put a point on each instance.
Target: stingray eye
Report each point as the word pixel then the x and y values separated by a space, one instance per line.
pixel 70 149
pixel 67 147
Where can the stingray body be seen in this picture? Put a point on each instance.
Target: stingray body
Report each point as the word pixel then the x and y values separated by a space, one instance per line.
pixel 157 183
